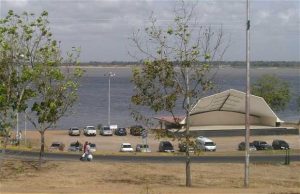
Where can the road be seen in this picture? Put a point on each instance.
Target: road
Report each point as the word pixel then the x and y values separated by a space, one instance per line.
pixel 153 159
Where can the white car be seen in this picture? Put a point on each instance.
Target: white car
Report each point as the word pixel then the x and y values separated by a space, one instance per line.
pixel 89 130
pixel 126 147
pixel 74 131
pixel 205 144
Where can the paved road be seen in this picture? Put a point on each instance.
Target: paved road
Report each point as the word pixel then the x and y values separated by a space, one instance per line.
pixel 154 159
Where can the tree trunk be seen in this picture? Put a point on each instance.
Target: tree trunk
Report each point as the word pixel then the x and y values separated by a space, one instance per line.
pixel 5 142
pixel 188 181
pixel 42 150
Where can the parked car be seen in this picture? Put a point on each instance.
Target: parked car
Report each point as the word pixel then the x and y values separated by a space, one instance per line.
pixel 280 145
pixel 136 130
pixel 205 144
pixel 262 145
pixel 89 131
pixel 142 148
pixel 92 147
pixel 106 131
pixel 242 146
pixel 126 147
pixel 165 146
pixel 121 132
pixel 182 147
pixel 74 131
pixel 57 146
pixel 75 146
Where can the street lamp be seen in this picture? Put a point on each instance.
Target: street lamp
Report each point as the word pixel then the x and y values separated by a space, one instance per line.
pixel 109 75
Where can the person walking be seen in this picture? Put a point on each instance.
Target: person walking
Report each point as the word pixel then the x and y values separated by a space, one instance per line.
pixel 84 150
pixel 84 146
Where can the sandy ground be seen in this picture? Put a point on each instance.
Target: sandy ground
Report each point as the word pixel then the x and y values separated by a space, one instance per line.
pixel 112 143
pixel 92 177
pixel 145 178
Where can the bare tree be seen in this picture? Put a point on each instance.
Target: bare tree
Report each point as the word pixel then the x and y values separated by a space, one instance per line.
pixel 177 67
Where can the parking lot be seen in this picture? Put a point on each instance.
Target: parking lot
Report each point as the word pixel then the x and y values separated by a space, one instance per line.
pixel 111 144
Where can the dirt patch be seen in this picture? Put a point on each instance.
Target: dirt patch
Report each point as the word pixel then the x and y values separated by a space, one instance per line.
pixel 82 177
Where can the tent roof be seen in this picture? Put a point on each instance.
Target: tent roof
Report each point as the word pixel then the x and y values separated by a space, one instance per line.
pixel 233 101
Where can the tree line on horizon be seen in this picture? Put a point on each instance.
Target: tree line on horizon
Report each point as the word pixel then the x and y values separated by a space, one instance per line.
pixel 216 63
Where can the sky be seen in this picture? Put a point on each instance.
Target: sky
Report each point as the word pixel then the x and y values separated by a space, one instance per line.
pixel 102 28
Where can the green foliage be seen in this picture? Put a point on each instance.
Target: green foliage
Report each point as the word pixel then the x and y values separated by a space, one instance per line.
pixel 150 81
pixel 274 90
pixel 31 69
pixel 15 75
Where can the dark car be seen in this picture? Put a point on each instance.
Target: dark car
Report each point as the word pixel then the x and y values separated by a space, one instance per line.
pixel 262 145
pixel 165 146
pixel 280 145
pixel 57 146
pixel 75 146
pixel 136 130
pixel 92 147
pixel 242 146
pixel 121 132
pixel 182 147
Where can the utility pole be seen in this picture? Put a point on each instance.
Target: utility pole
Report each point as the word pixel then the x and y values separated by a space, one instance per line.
pixel 247 102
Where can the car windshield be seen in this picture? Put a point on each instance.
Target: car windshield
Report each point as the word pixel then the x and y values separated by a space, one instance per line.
pixel 145 146
pixel 282 143
pixel 209 143
pixel 91 128
pixel 263 142
pixel 106 129
pixel 92 145
pixel 126 146
pixel 138 127
pixel 121 129
pixel 74 129
pixel 167 144
pixel 55 145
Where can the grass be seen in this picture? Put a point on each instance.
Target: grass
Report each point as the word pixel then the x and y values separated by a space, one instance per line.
pixel 108 177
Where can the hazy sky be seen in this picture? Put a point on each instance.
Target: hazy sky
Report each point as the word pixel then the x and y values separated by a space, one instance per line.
pixel 102 27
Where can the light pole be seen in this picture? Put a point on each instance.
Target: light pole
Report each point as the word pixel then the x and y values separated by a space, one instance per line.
pixel 247 101
pixel 110 74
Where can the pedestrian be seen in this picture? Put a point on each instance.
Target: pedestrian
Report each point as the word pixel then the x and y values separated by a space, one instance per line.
pixel 84 147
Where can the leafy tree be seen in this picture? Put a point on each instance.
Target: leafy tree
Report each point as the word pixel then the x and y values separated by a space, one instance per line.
pixel 177 68
pixel 51 87
pixel 274 90
pixel 15 75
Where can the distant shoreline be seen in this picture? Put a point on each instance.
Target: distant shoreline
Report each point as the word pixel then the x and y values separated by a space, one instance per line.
pixel 222 67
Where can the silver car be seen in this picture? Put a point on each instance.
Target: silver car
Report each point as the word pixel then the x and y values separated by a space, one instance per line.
pixel 74 131
pixel 106 131
pixel 142 148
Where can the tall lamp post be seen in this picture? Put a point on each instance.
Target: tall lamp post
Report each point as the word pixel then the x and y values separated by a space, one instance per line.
pixel 247 102
pixel 109 75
